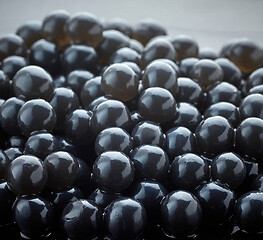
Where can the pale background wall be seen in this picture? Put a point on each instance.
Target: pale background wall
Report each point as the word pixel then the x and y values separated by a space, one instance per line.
pixel 210 22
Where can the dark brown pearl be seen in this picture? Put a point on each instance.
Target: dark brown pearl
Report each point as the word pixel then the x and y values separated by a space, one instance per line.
pixel 185 47
pixel 111 42
pixel 33 82
pixel 12 45
pixel 26 175
pixel 157 104
pixel 158 48
pixel 147 29
pixel 207 72
pixel 30 32
pixel 84 28
pixel 120 82
pixel 53 27
pixel 119 24
pixel 226 49
pixel 246 55
pixel 62 169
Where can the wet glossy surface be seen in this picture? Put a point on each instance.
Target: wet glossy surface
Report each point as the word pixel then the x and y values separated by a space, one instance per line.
pixel 160 74
pixel 8 115
pixel 216 200
pixel 255 78
pixel 256 89
pixel 214 135
pixel 113 139
pixel 120 82
pixel 150 162
pixel 207 53
pixel 157 104
pixel 62 169
pixel 249 137
pixel 207 72
pixel 33 82
pixel 188 171
pixel 125 218
pixel 4 164
pixel 179 140
pixel 119 24
pixel 13 152
pixel 41 144
pixel 181 214
pixel 229 169
pixel 125 54
pixel 248 212
pixel 26 175
pixel 36 114
pixel 252 106
pixel 34 216
pixel 111 113
pixel 113 171
pixel 5 88
pixel 187 66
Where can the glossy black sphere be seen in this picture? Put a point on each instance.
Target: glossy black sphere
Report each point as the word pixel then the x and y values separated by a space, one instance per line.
pixel 187 66
pixel 216 200
pixel 207 53
pixel 214 135
pixel 188 171
pixel 181 214
pixel 125 54
pixel 179 140
pixel 12 153
pixel 255 78
pixel 248 212
pixel 5 86
pixel 125 218
pixel 4 164
pixel 118 24
pixel 34 216
pixel 111 113
pixel 113 171
pixel 36 114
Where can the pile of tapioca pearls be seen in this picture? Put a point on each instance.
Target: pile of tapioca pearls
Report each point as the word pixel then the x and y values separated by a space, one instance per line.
pixel 113 131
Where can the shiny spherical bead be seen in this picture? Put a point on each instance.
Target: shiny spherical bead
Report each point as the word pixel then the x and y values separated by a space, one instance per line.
pixel 79 57
pixel 232 73
pixel 12 45
pixel 31 177
pixel 96 102
pixel 189 91
pixel 33 82
pixel 64 101
pixel 249 137
pixel 214 135
pixel 178 218
pixel 185 47
pixel 187 116
pixel 216 200
pixel 110 113
pixel 8 115
pixel 113 139
pixel 90 91
pixel 30 32
pixel 53 27
pixel 125 54
pixel 207 53
pixel 157 48
pixel 226 48
pixel 248 212
pixel 41 144
pixel 5 85
pixel 113 171
pixel 252 106
pixel 157 104
pixel 226 110
pixel 111 42
pixel 150 162
pixel 7 199
pixel 256 89
pixel 187 66
pixel 207 72
pixel 160 74
pixel 247 55
pixel 46 55
pixel 118 24
pixel 255 78
pixel 13 153
pixel 179 140
pixel 229 169
pixel 84 28
pixel 146 132
pixel 147 29
pixel 11 65
pixel 135 67
pixel 4 164
pixel 62 169
pixel 82 219
pixel 223 92
pixel 120 82
pixel 136 45
pixel 257 183
pixel 36 114
pixel 120 220
pixel 34 216
pixel 188 171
